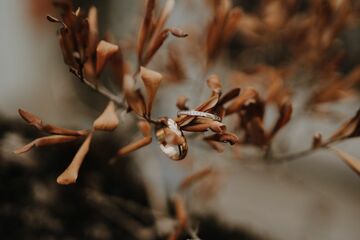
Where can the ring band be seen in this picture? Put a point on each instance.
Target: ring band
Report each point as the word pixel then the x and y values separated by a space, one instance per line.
pixel 195 113
pixel 174 151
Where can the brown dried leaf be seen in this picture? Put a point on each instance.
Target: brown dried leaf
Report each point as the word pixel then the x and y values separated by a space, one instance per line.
pixel 38 123
pixel 45 141
pixel 134 98
pixel 151 81
pixel 137 103
pixel 154 47
pixel 224 137
pixel 238 102
pixel 70 174
pixel 181 103
pixel 215 126
pixel 93 29
pixel 164 15
pixel 104 51
pixel 145 128
pixel 181 216
pixel 353 163
pixel 234 17
pixel 214 83
pixel 31 118
pixel 349 129
pixel 255 132
pixel 195 177
pixel 144 29
pixel 134 146
pixel 230 95
pixel 108 120
pixel 284 117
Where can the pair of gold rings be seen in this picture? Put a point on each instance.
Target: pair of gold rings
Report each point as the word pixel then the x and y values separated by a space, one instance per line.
pixel 177 150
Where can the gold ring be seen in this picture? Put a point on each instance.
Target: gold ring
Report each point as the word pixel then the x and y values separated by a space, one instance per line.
pixel 176 151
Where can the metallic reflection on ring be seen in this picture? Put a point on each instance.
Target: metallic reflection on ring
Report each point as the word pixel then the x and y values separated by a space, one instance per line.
pixel 174 151
pixel 195 113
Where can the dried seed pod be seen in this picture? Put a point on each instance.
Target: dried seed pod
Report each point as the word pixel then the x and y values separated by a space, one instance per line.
pixel 151 81
pixel 108 120
pixel 71 173
pixel 104 51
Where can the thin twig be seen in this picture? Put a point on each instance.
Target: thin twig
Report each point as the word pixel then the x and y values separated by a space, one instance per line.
pixel 100 89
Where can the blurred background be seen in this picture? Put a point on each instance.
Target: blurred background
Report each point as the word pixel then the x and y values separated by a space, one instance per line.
pixel 314 197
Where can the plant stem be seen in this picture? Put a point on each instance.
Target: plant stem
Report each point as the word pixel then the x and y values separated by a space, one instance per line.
pixel 100 89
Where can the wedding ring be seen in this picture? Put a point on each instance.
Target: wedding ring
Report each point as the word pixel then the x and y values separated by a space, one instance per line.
pixel 174 151
pixel 195 113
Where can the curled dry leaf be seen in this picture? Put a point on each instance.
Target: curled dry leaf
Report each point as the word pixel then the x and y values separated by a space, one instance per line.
pixel 181 103
pixel 71 173
pixel 104 51
pixel 38 123
pixel 151 81
pixel 108 120
pixel 353 163
pixel 45 141
pixel 195 177
pixel 134 146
